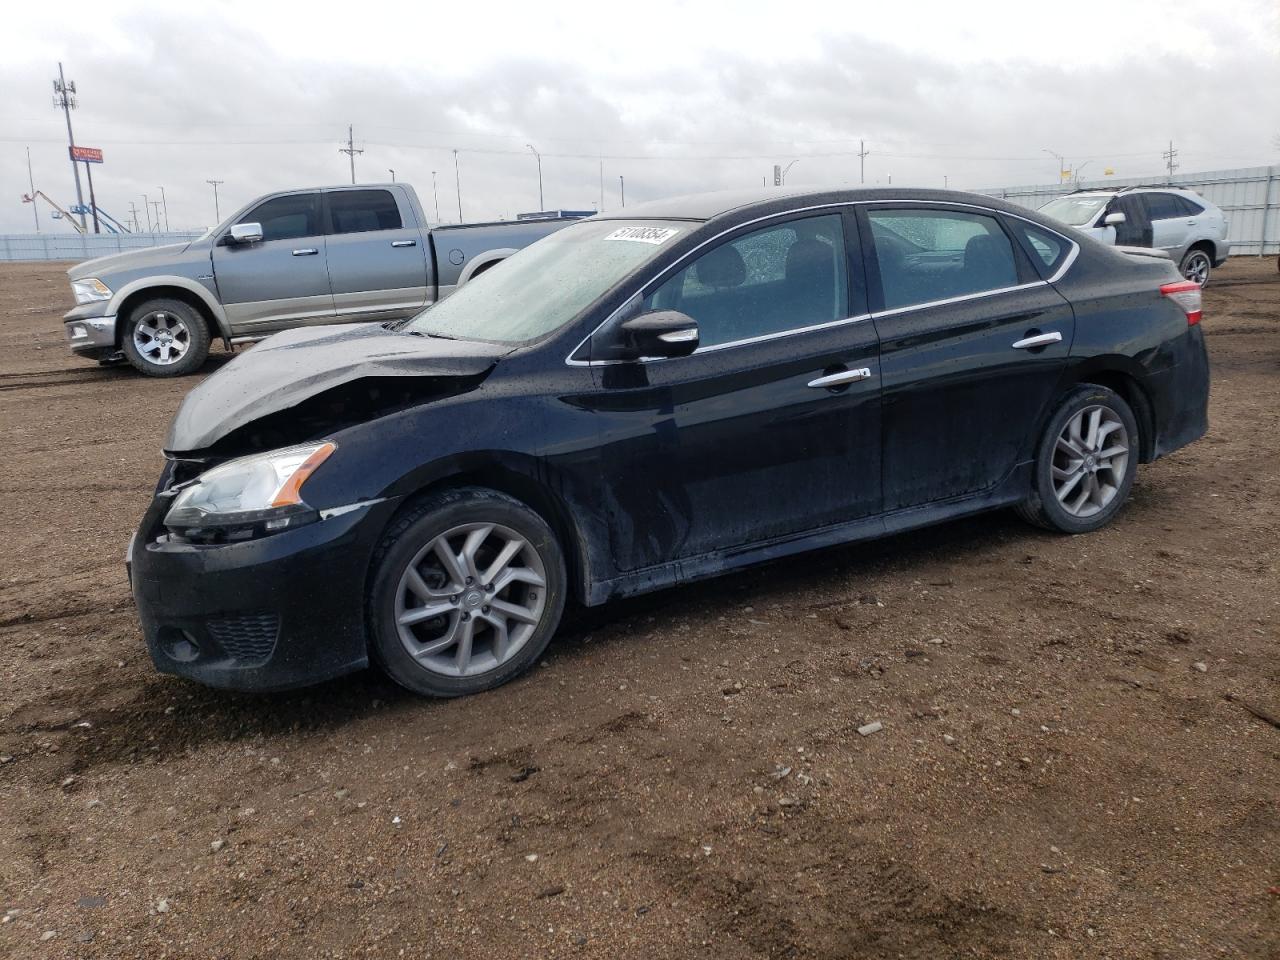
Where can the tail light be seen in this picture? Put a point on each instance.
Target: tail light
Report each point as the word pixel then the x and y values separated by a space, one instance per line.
pixel 1186 294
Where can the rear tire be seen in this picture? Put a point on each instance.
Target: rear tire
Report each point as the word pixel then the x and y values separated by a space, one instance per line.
pixel 498 601
pixel 1085 462
pixel 165 338
pixel 1196 265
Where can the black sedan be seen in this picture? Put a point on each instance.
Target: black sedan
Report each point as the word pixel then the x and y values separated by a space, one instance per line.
pixel 643 399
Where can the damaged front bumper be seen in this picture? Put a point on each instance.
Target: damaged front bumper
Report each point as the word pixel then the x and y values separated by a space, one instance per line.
pixel 274 613
pixel 90 332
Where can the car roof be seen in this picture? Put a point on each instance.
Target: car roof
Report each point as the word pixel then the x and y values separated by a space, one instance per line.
pixel 709 206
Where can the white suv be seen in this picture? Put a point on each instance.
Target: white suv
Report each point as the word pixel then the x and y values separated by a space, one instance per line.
pixel 1180 222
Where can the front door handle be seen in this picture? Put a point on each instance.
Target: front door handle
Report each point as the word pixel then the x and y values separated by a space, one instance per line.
pixel 841 378
pixel 404 243
pixel 306 252
pixel 1039 340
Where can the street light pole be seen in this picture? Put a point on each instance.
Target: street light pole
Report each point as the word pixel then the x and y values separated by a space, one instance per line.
pixel 165 204
pixel 435 192
pixel 541 204
pixel 35 208
pixel 1061 162
pixel 393 174
pixel 784 171
pixel 457 184
pixel 622 188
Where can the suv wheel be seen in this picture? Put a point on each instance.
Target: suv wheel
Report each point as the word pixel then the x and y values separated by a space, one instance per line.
pixel 1085 463
pixel 467 591
pixel 1196 265
pixel 166 338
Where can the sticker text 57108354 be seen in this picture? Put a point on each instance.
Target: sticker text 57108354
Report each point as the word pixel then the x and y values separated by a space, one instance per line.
pixel 654 235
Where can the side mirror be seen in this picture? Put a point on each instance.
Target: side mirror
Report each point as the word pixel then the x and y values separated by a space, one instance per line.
pixel 246 233
pixel 659 333
pixel 1113 219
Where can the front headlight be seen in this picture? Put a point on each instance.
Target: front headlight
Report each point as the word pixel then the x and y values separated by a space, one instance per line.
pixel 250 496
pixel 89 290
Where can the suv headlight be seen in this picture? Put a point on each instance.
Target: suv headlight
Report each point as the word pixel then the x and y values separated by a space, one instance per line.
pixel 249 496
pixel 89 290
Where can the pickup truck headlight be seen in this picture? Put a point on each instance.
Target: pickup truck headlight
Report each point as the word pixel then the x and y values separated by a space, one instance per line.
pixel 249 496
pixel 89 290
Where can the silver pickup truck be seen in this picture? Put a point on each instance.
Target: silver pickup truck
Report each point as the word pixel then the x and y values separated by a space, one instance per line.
pixel 301 257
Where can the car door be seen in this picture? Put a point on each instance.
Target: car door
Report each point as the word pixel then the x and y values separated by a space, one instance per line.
pixel 283 279
pixel 378 262
pixel 1168 222
pixel 1135 231
pixel 772 427
pixel 972 345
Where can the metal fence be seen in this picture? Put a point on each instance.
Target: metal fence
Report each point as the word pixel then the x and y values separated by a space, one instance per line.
pixel 1250 198
pixel 73 246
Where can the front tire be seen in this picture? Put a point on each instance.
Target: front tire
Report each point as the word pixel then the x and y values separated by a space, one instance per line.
pixel 468 589
pixel 1085 462
pixel 1196 266
pixel 165 338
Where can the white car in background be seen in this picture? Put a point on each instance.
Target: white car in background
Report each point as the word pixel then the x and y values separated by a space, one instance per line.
pixel 1183 224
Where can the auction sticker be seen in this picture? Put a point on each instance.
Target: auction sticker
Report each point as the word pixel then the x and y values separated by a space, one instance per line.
pixel 654 235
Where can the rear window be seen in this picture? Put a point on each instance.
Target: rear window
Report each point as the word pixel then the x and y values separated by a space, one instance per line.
pixel 1075 211
pixel 362 211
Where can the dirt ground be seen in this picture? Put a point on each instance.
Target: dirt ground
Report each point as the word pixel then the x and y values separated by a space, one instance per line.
pixel 1075 758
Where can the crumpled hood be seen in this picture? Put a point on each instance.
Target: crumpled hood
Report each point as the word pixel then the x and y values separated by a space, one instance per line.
pixel 283 370
pixel 128 260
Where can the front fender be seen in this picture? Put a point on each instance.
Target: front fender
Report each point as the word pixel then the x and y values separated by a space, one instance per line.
pixel 141 284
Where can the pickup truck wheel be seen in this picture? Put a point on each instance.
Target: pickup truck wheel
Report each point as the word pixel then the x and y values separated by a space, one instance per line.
pixel 165 338
pixel 467 591
pixel 1196 265
pixel 1085 462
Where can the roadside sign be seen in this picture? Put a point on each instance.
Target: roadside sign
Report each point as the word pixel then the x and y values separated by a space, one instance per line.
pixel 86 154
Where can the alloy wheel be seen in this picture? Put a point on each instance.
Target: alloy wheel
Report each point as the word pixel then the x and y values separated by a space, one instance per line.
pixel 1089 461
pixel 161 337
pixel 470 599
pixel 1196 268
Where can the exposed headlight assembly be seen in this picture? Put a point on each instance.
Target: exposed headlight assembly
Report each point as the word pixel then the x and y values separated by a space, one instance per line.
pixel 89 290
pixel 249 496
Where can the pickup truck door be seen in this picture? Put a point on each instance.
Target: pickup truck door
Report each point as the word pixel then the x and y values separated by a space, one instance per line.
pixel 282 280
pixel 379 262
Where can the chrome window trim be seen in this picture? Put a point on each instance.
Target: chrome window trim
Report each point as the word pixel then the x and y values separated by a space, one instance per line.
pixel 841 205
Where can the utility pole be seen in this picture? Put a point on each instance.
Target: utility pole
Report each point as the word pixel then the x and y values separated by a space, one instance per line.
pixel 622 188
pixel 156 204
pixel 351 151
pixel 541 205
pixel 166 211
pixel 1170 160
pixel 93 202
pixel 133 213
pixel 862 162
pixel 946 183
pixel 457 184
pixel 602 185
pixel 1062 163
pixel 435 192
pixel 146 207
pixel 64 96
pixel 217 215
pixel 35 208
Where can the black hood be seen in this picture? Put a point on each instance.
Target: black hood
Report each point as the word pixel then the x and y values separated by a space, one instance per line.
pixel 291 367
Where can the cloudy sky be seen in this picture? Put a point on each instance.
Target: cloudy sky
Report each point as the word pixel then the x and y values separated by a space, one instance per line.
pixel 673 96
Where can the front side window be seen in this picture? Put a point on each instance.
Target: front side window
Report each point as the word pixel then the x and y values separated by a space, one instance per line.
pixel 287 218
pixel 362 211
pixel 779 278
pixel 927 255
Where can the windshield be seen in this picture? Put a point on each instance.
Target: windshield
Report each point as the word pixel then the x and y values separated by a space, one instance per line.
pixel 548 283
pixel 1074 211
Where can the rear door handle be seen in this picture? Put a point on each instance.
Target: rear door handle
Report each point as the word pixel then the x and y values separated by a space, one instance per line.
pixel 404 243
pixel 1039 340
pixel 306 252
pixel 841 378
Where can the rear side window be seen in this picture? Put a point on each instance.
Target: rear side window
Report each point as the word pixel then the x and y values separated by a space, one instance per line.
pixel 1045 247
pixel 287 218
pixel 1188 206
pixel 927 255
pixel 778 278
pixel 362 211
pixel 1162 206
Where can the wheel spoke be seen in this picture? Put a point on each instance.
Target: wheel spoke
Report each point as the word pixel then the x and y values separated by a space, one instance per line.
pixel 450 560
pixel 431 648
pixel 1110 452
pixel 501 637
pixel 469 547
pixel 504 557
pixel 466 632
pixel 518 575
pixel 1095 420
pixel 425 612
pixel 1066 488
pixel 513 611
pixel 1067 445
